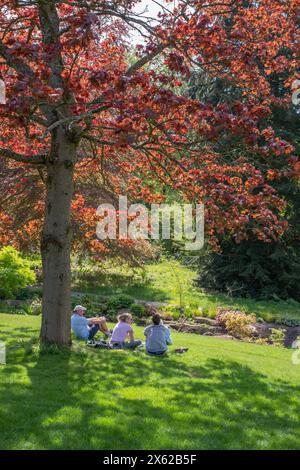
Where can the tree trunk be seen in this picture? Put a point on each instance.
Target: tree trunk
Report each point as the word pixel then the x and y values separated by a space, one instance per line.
pixel 56 241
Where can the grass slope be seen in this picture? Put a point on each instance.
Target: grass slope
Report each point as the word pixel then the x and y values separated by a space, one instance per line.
pixel 169 281
pixel 220 395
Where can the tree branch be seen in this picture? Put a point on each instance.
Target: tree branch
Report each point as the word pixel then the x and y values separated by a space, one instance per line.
pixel 18 65
pixel 39 159
pixel 144 60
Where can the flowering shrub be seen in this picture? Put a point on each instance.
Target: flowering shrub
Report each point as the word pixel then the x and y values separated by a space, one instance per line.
pixel 238 324
pixel 36 307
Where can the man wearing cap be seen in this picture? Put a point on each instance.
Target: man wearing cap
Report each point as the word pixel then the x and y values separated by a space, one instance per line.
pixel 86 328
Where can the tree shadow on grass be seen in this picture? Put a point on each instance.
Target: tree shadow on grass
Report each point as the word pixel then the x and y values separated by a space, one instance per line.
pixel 24 332
pixel 122 400
pixel 19 341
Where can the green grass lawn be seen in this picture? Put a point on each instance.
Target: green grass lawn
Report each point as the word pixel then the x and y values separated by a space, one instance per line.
pixel 169 281
pixel 220 395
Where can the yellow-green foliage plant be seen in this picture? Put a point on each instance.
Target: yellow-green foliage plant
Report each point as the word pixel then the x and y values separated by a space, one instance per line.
pixel 15 272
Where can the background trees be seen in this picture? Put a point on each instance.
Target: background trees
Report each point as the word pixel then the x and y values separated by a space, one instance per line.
pixel 252 267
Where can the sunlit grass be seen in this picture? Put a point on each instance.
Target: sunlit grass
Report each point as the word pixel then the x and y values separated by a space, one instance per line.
pixel 219 395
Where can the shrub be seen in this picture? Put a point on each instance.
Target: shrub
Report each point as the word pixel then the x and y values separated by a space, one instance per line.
pixel 116 302
pixel 201 312
pixel 170 315
pixel 238 324
pixel 138 310
pixel 33 308
pixel 277 336
pixel 189 312
pixel 269 317
pixel 253 268
pixel 2 294
pixel 15 272
pixel 290 322
pixel 20 311
pixel 27 293
pixel 221 315
pixel 172 312
pixel 6 308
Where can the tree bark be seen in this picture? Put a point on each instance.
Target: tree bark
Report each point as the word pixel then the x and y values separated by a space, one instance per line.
pixel 56 240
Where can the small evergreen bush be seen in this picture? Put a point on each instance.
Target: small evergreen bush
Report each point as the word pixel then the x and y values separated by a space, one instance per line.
pixel 116 302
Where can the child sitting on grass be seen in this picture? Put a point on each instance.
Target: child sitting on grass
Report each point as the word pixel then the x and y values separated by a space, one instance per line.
pixel 122 331
pixel 158 337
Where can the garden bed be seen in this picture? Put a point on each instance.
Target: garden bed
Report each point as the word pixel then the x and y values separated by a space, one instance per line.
pixel 256 330
pixel 210 327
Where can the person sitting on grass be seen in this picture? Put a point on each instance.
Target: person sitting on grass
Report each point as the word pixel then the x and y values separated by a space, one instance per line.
pixel 123 331
pixel 87 328
pixel 158 337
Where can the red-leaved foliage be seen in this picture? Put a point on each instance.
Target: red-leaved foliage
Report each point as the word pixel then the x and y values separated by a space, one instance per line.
pixel 137 130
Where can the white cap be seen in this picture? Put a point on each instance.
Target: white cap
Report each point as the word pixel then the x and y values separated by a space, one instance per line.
pixel 79 307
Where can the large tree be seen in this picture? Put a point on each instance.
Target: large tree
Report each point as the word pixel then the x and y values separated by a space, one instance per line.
pixel 77 106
